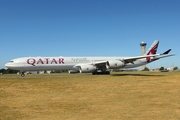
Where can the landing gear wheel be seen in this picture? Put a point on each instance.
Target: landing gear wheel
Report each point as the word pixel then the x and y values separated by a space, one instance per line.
pixel 108 72
pixel 94 73
pixel 22 74
pixel 101 73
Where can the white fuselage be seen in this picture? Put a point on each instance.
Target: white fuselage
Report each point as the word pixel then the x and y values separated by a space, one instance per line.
pixel 86 64
pixel 61 63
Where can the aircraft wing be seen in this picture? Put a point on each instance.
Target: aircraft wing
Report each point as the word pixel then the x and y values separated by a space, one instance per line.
pixel 98 63
pixel 132 59
pixel 126 60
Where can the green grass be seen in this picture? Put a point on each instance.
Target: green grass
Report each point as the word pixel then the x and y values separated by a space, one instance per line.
pixel 119 96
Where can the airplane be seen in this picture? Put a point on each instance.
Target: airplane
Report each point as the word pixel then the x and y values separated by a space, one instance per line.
pixel 94 65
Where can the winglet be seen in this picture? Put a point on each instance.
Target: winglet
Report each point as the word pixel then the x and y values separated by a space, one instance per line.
pixel 167 52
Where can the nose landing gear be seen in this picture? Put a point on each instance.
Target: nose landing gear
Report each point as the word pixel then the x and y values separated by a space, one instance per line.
pixel 22 74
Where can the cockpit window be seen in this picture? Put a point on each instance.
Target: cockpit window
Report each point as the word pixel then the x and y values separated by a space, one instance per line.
pixel 11 61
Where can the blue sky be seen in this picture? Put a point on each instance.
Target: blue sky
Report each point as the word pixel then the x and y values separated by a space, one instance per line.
pixel 88 28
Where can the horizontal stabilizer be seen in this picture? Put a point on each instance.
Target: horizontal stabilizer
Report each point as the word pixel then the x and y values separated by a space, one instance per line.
pixel 163 56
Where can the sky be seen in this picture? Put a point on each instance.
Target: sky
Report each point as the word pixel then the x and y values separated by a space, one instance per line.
pixel 88 28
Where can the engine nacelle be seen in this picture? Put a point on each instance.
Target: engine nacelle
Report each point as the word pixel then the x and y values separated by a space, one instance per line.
pixel 73 71
pixel 87 68
pixel 115 64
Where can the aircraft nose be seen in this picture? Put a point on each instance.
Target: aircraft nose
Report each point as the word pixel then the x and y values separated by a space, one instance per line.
pixel 7 65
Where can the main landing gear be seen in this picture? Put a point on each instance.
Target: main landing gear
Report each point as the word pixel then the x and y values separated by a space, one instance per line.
pixel 101 73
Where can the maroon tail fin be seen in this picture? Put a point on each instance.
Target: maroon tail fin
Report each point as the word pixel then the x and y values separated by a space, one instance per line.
pixel 152 50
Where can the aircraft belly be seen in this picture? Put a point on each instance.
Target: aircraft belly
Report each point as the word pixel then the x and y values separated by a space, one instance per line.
pixel 136 64
pixel 45 67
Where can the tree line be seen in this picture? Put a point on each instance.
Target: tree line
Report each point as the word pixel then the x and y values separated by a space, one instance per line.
pixel 8 71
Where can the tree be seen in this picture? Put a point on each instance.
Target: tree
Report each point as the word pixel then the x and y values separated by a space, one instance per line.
pixel 3 71
pixel 161 68
pixel 175 68
pixel 146 69
pixel 8 71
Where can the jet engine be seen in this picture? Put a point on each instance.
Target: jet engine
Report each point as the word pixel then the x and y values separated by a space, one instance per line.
pixel 87 68
pixel 73 71
pixel 115 64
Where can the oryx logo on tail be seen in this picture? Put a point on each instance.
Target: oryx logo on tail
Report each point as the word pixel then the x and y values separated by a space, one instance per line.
pixel 152 50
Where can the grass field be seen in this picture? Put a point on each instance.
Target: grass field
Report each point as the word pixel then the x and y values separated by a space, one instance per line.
pixel 119 96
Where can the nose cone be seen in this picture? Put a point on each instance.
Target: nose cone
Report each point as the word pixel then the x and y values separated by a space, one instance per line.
pixel 7 65
pixel 10 65
pixel 13 64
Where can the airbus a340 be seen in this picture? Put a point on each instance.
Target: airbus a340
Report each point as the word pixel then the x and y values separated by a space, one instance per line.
pixel 94 65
